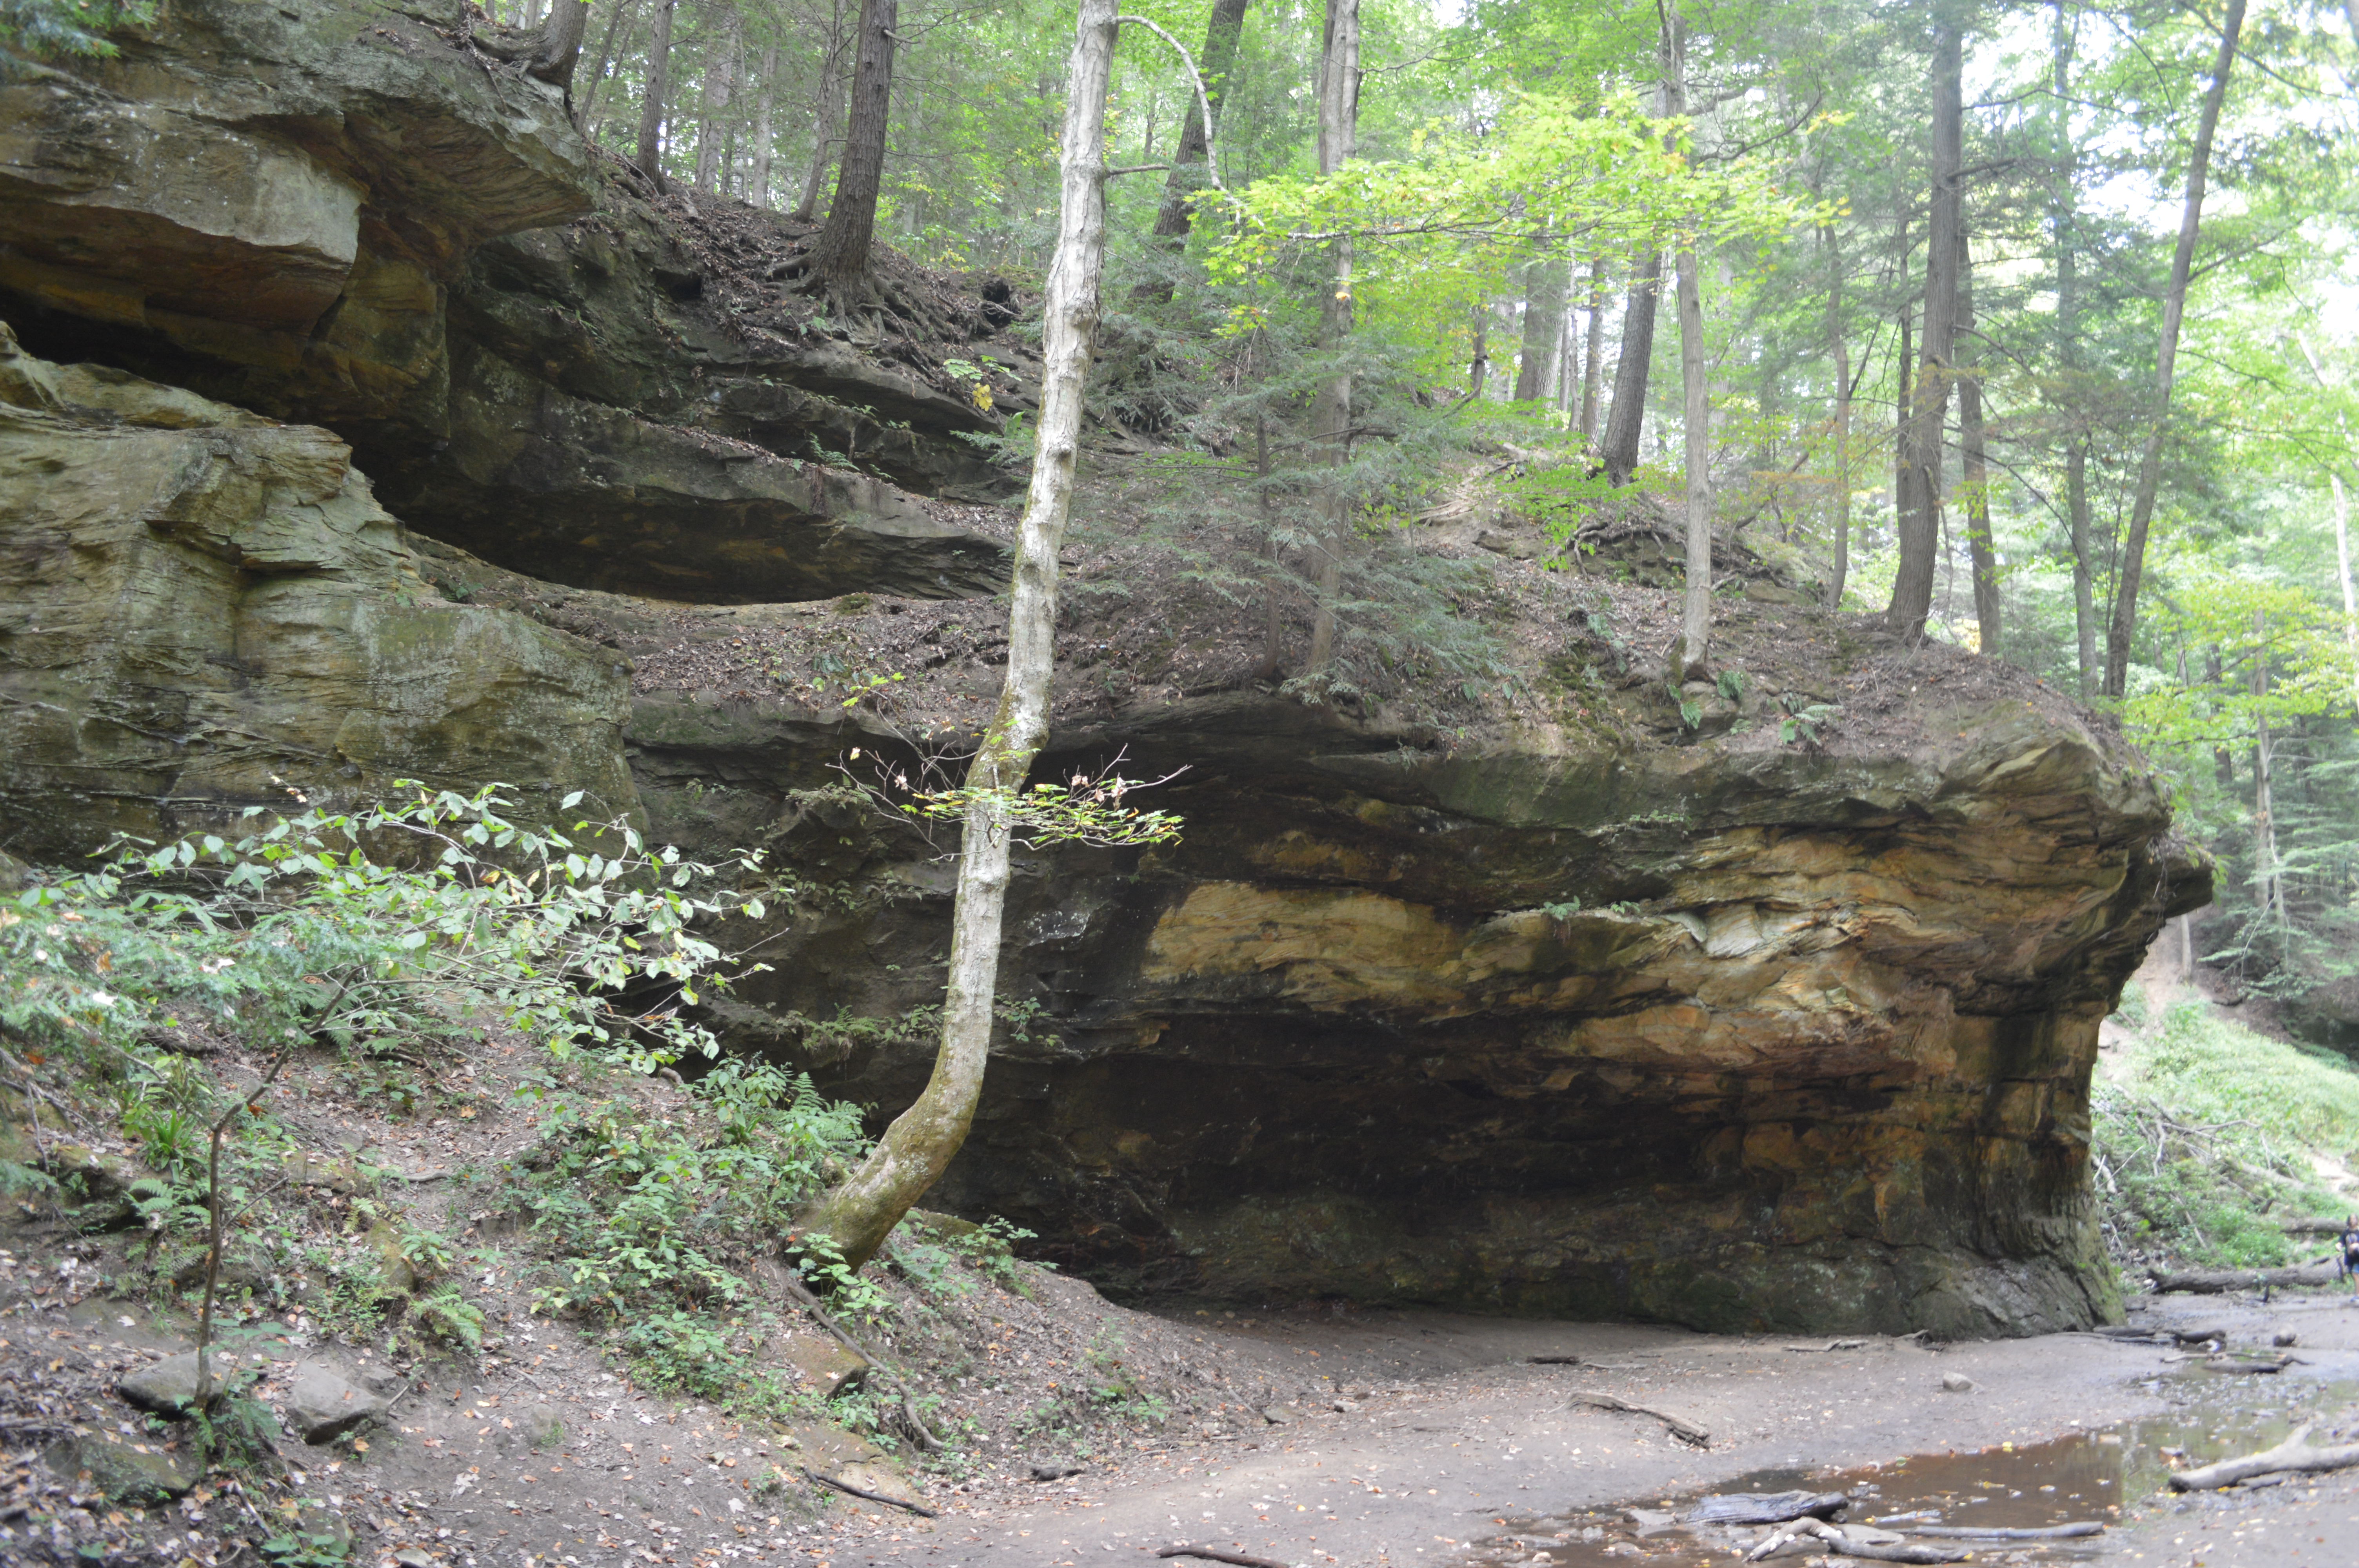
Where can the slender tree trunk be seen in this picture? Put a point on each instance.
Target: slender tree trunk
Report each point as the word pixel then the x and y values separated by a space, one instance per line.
pixel 1903 398
pixel 616 25
pixel 859 1213
pixel 1628 418
pixel 652 108
pixel 1331 406
pixel 1919 474
pixel 1218 60
pixel 2342 532
pixel 2268 885
pixel 1695 613
pixel 1544 282
pixel 1478 370
pixel 838 257
pixel 720 82
pixel 763 132
pixel 2223 761
pixel 1975 459
pixel 1274 587
pixel 827 119
pixel 2123 625
pixel 1592 356
pixel 2068 348
pixel 1842 346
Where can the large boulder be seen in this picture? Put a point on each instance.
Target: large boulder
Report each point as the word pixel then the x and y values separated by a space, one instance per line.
pixel 347 214
pixel 1738 1032
pixel 202 609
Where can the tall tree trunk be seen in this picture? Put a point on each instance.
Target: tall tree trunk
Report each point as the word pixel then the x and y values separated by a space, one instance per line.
pixel 1544 282
pixel 1975 459
pixel 2341 531
pixel 2269 886
pixel 2061 205
pixel 1330 405
pixel 1218 61
pixel 763 132
pixel 617 24
pixel 651 107
pixel 2223 761
pixel 2084 576
pixel 838 257
pixel 1695 610
pixel 2123 625
pixel 1591 366
pixel 860 1212
pixel 1842 346
pixel 1903 398
pixel 720 82
pixel 1919 518
pixel 828 117
pixel 1628 418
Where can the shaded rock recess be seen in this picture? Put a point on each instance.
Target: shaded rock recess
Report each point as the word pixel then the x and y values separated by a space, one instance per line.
pixel 1574 1008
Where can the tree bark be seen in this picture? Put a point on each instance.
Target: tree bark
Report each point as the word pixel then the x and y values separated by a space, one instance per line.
pixel 1478 369
pixel 2268 887
pixel 763 129
pixel 1544 285
pixel 651 107
pixel 1695 612
pixel 827 117
pixel 1331 406
pixel 624 11
pixel 558 46
pixel 838 257
pixel 2342 532
pixel 1222 34
pixel 859 1213
pixel 720 82
pixel 1842 346
pixel 1974 460
pixel 2068 350
pixel 1628 417
pixel 2123 625
pixel 1918 523
pixel 1593 353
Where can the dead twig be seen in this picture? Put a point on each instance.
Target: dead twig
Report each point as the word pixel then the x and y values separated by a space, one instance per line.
pixel 1210 1555
pixel 1680 1426
pixel 848 1489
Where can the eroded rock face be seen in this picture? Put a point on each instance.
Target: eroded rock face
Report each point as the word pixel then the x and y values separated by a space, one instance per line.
pixel 337 213
pixel 201 607
pixel 1733 1035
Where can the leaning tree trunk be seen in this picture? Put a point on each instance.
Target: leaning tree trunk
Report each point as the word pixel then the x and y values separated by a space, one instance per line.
pixel 859 1213
pixel 1219 58
pixel 1919 474
pixel 2124 623
pixel 1975 461
pixel 652 108
pixel 615 24
pixel 1628 418
pixel 1695 612
pixel 838 257
pixel 1330 405
pixel 560 44
pixel 826 118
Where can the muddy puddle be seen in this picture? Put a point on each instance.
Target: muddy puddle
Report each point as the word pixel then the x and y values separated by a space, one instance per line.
pixel 2089 1476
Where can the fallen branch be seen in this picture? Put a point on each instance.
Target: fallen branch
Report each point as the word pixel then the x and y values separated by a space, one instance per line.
pixel 1830 1344
pixel 1882 1552
pixel 2220 1282
pixel 2239 1363
pixel 811 1303
pixel 850 1490
pixel 2002 1532
pixel 2294 1454
pixel 1207 1552
pixel 1682 1427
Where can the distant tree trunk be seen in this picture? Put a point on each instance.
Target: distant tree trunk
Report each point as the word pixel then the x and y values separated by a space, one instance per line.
pixel 1974 460
pixel 838 257
pixel 1330 405
pixel 1592 356
pixel 860 1212
pixel 827 118
pixel 1219 60
pixel 652 108
pixel 1478 370
pixel 763 132
pixel 2341 526
pixel 1842 346
pixel 1628 417
pixel 2223 761
pixel 1695 614
pixel 1919 522
pixel 2068 300
pixel 720 82
pixel 626 11
pixel 2123 625
pixel 1544 285
pixel 2268 887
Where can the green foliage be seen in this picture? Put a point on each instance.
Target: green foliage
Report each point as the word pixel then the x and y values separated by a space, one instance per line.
pixel 48 30
pixel 450 1316
pixel 1800 719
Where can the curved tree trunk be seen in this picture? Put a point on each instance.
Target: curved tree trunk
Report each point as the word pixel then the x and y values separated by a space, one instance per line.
pixel 2174 308
pixel 859 1213
pixel 651 107
pixel 560 43
pixel 1219 60
pixel 839 258
pixel 1920 470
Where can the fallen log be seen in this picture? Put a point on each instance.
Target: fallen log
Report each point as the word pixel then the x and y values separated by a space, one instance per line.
pixel 1680 1426
pixel 2244 1364
pixel 1883 1552
pixel 2294 1454
pixel 2004 1532
pixel 2178 1335
pixel 1765 1508
pixel 2220 1282
pixel 1210 1555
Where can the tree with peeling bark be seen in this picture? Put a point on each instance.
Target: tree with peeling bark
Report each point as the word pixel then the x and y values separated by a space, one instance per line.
pixel 858 1213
